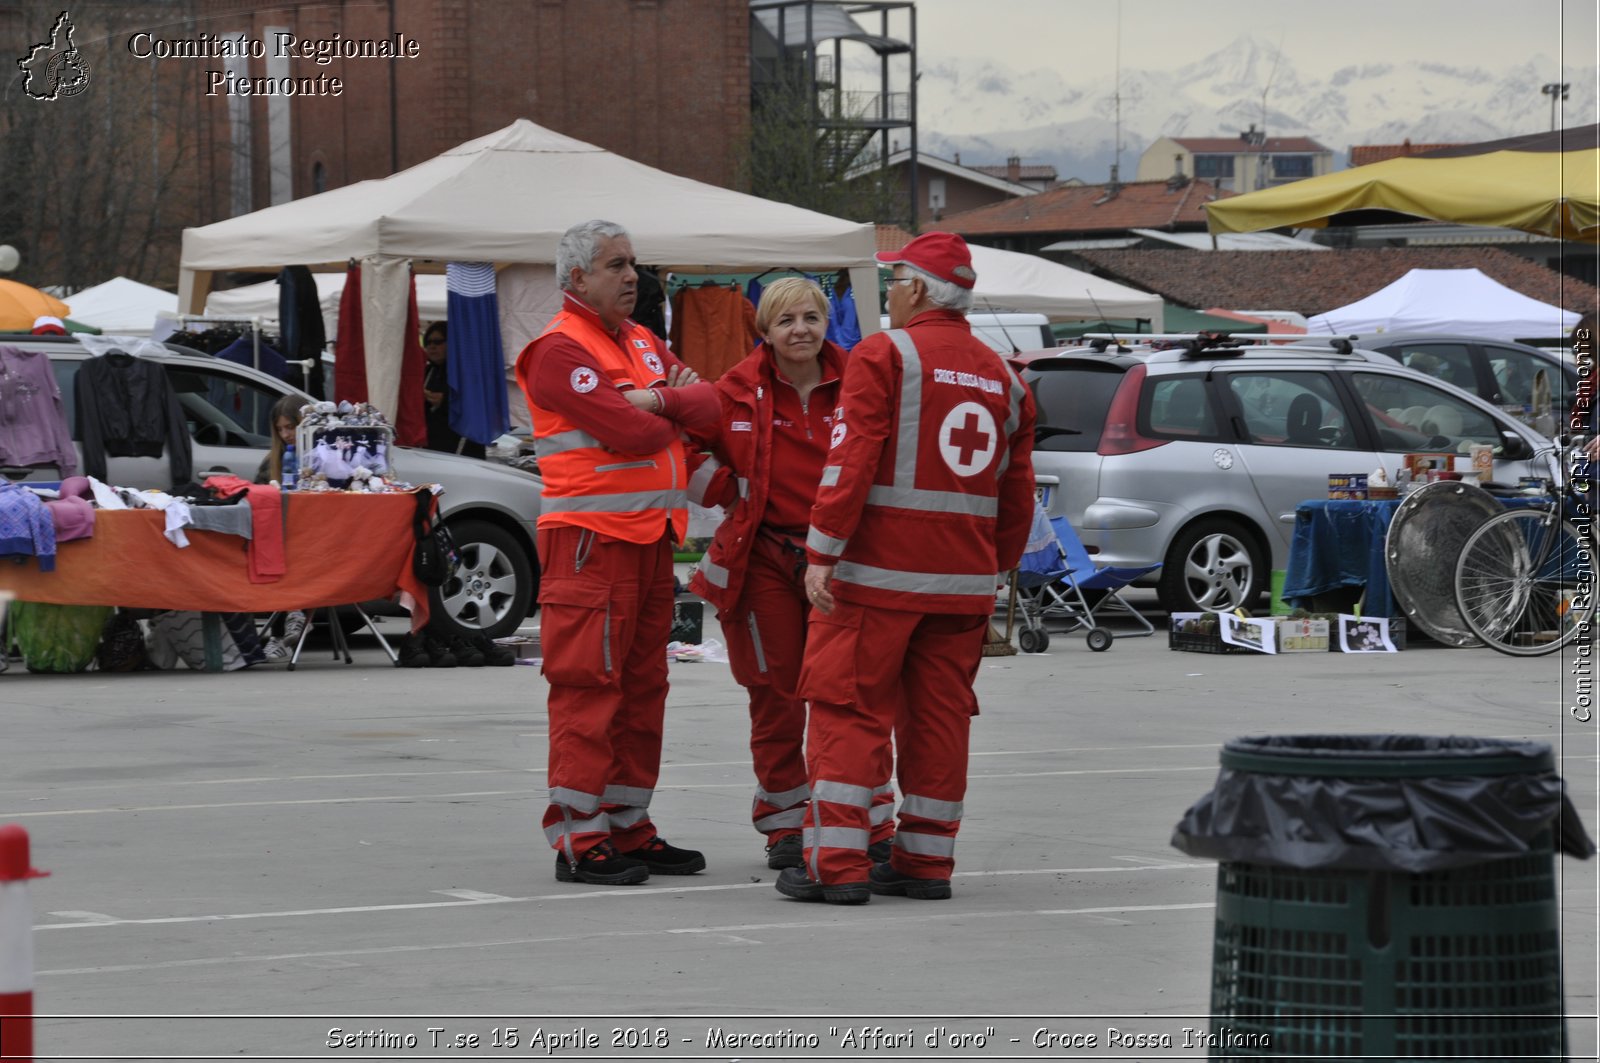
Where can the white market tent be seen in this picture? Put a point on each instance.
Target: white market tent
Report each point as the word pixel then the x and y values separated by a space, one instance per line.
pixel 261 300
pixel 1446 300
pixel 122 307
pixel 1011 280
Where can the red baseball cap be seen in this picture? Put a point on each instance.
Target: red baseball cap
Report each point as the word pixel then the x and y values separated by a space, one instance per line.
pixel 47 325
pixel 944 255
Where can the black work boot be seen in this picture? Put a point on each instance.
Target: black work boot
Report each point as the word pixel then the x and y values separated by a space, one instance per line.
pixel 786 852
pixel 664 859
pixel 794 882
pixel 886 881
pixel 602 866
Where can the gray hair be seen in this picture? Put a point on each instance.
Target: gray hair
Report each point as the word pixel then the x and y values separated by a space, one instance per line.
pixel 579 245
pixel 942 293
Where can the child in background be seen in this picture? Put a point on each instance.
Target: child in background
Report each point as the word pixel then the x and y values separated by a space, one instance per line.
pixel 285 421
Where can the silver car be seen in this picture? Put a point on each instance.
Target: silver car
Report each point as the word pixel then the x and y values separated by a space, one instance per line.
pixel 489 508
pixel 1196 456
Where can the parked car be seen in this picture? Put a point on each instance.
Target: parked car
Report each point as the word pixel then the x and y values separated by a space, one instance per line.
pixel 1197 458
pixel 489 508
pixel 1498 371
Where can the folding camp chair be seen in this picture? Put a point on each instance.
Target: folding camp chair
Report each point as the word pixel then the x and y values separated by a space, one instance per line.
pixel 1052 579
pixel 1083 575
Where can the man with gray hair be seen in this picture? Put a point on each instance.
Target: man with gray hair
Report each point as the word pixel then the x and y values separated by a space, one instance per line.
pixel 925 499
pixel 609 406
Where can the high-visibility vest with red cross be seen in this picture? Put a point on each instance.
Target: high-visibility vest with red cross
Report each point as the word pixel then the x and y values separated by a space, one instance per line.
pixel 925 540
pixel 625 496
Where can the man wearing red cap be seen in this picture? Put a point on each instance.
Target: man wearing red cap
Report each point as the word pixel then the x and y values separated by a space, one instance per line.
pixel 925 499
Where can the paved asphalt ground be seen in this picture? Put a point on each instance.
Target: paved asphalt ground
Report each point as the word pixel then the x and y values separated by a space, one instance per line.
pixel 359 845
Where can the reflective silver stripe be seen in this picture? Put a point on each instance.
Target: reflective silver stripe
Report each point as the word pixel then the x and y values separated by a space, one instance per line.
pixel 905 448
pixel 842 793
pixel 886 788
pixel 645 463
pixel 933 501
pixel 880 814
pixel 825 544
pixel 755 644
pixel 914 582
pixel 587 803
pixel 744 487
pixel 628 817
pixel 925 844
pixel 631 502
pixel 830 476
pixel 605 639
pixel 789 798
pixel 628 795
pixel 702 480
pixel 557 832
pixel 930 808
pixel 789 817
pixel 834 838
pixel 715 574
pixel 1013 419
pixel 561 442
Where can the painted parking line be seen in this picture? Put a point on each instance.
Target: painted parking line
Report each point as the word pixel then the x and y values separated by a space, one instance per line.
pixel 473 899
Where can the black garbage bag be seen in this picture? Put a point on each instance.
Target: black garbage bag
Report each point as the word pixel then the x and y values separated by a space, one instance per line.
pixel 1408 803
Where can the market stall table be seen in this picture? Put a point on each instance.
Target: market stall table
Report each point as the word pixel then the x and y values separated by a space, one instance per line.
pixel 339 549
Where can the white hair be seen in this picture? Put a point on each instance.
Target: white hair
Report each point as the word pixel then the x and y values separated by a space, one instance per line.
pixel 579 245
pixel 944 294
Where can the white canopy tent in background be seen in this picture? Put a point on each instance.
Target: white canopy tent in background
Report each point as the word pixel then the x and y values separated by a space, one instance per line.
pixel 1446 300
pixel 261 300
pixel 506 198
pixel 121 307
pixel 1011 280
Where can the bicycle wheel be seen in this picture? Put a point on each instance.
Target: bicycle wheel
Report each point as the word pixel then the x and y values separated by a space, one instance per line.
pixel 1525 584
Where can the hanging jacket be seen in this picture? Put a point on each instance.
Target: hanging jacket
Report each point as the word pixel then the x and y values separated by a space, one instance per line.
pixel 126 407
pixel 927 495
pixel 33 419
pixel 742 444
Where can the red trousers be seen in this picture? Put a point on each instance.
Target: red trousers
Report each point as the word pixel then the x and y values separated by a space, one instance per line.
pixel 766 638
pixel 605 617
pixel 870 672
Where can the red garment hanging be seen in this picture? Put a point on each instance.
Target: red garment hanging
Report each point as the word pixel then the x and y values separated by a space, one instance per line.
pixel 349 349
pixel 713 329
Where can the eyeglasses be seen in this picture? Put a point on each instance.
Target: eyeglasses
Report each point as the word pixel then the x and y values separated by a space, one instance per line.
pixel 900 280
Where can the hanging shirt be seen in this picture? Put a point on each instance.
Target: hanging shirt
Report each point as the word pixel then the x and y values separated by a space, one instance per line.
pixel 475 405
pixel 126 407
pixel 33 419
pixel 713 329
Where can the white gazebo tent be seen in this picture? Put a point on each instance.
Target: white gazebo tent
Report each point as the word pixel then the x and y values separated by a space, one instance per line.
pixel 122 307
pixel 1446 300
pixel 261 300
pixel 1011 280
pixel 506 198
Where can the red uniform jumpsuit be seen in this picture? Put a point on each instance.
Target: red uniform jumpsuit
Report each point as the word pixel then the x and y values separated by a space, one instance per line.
pixel 926 499
pixel 767 456
pixel 612 508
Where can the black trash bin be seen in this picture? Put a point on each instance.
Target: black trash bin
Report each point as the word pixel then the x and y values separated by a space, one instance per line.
pixel 1385 896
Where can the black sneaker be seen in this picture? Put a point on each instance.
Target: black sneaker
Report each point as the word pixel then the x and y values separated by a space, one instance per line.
pixel 886 881
pixel 493 653
pixel 794 882
pixel 439 655
pixel 466 654
pixel 786 852
pixel 414 652
pixel 664 859
pixel 602 866
pixel 878 852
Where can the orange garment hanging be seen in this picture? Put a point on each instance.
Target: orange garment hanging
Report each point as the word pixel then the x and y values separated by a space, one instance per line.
pixel 713 329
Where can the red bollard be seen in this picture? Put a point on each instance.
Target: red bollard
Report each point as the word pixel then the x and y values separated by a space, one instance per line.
pixel 16 945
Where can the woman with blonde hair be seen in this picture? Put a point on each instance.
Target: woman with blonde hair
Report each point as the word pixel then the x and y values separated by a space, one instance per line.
pixel 765 459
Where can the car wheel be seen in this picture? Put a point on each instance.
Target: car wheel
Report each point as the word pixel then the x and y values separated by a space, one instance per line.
pixel 1213 565
pixel 489 593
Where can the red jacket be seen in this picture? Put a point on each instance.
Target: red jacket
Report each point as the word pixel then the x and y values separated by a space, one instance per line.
pixel 737 474
pixel 927 495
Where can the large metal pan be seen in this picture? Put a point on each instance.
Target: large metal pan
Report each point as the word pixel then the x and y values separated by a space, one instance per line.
pixel 1426 536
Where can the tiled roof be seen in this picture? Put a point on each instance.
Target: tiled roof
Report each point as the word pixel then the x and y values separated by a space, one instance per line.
pixel 1362 154
pixel 892 238
pixel 1314 284
pixel 1236 146
pixel 1024 173
pixel 1088 209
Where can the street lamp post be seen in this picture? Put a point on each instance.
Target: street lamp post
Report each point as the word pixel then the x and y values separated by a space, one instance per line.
pixel 1557 91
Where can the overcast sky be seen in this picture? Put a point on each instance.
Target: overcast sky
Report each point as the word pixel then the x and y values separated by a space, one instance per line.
pixel 1317 36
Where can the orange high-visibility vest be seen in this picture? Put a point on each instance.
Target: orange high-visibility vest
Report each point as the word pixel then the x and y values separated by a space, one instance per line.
pixel 625 496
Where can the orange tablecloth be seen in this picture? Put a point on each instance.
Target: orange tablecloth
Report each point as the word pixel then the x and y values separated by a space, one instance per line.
pixel 340 548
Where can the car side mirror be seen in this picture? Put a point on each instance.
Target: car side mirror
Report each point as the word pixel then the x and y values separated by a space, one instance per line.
pixel 1513 447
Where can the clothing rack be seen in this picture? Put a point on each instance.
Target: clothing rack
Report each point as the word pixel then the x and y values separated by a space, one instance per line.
pixel 254 324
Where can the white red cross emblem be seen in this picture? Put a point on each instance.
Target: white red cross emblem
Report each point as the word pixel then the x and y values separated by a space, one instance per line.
pixel 584 379
pixel 967 438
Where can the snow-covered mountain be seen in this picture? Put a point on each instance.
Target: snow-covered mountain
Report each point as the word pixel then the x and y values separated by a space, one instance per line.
pixel 987 112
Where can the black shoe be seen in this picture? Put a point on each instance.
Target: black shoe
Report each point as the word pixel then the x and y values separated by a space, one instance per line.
pixel 886 881
pixel 414 652
pixel 494 653
pixel 794 882
pixel 439 655
pixel 878 852
pixel 602 866
pixel 466 654
pixel 786 852
pixel 664 859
